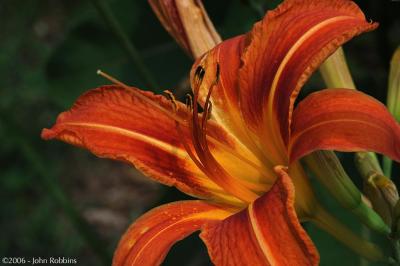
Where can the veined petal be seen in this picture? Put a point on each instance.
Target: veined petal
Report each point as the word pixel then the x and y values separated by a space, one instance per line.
pixel 344 120
pixel 227 56
pixel 284 49
pixel 266 233
pixel 224 61
pixel 138 127
pixel 225 96
pixel 148 240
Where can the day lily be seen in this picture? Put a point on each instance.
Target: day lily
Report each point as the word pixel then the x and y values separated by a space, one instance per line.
pixel 240 156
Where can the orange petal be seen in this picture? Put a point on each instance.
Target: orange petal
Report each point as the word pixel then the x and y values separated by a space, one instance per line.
pixel 225 96
pixel 137 127
pixel 284 49
pixel 344 120
pixel 225 60
pixel 148 240
pixel 266 233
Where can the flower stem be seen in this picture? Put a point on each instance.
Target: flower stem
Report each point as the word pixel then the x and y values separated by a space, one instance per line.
pixel 367 163
pixel 396 249
pixel 387 166
pixel 335 71
pixel 130 48
pixel 330 224
pixel 330 173
pixel 392 101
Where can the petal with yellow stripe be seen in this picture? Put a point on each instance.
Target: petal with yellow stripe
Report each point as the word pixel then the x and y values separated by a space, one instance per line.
pixel 266 233
pixel 284 49
pixel 148 240
pixel 139 128
pixel 343 120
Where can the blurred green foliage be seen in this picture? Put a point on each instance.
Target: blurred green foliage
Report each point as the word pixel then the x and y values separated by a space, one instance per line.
pixel 50 51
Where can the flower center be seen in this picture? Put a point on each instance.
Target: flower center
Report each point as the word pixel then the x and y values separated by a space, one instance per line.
pixel 201 143
pixel 200 151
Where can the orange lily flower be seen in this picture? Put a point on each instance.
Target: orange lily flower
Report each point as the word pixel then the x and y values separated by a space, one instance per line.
pixel 240 156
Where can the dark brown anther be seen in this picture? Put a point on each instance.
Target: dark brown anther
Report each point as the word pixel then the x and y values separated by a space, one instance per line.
pixel 189 102
pixel 200 72
pixel 170 96
pixel 217 74
pixel 209 110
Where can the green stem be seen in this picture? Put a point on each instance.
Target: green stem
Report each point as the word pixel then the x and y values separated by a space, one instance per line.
pixel 335 71
pixel 38 165
pixel 387 166
pixel 366 234
pixel 330 173
pixel 132 51
pixel 330 224
pixel 379 189
pixel 396 250
pixel 367 163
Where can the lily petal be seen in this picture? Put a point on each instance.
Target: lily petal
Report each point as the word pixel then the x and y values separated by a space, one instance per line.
pixel 225 96
pixel 139 128
pixel 344 120
pixel 148 240
pixel 266 233
pixel 225 62
pixel 284 49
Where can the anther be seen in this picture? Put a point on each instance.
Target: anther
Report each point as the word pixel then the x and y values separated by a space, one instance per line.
pixel 200 72
pixel 209 110
pixel 140 96
pixel 170 96
pixel 189 102
pixel 217 74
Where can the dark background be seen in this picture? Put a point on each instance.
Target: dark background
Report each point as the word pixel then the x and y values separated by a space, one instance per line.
pixel 57 200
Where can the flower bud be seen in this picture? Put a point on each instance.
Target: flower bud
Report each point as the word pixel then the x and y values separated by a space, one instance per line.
pixel 335 71
pixel 393 96
pixel 392 101
pixel 187 21
pixel 330 173
pixel 379 189
pixel 383 195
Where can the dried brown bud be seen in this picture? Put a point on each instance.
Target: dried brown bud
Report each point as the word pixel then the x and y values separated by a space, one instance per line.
pixel 187 21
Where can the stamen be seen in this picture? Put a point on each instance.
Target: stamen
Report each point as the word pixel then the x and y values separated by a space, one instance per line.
pixel 189 102
pixel 199 138
pixel 200 72
pixel 217 73
pixel 207 104
pixel 140 96
pixel 171 97
pixel 209 110
pixel 188 149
